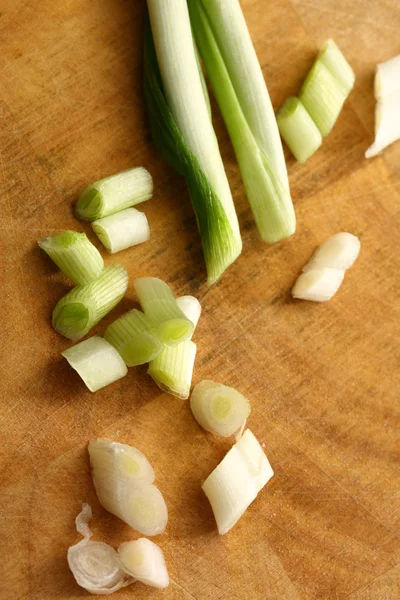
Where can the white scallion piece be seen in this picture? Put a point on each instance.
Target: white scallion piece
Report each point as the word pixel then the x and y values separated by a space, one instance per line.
pixel 113 194
pixel 191 308
pixel 122 230
pixel 318 285
pixel 144 561
pixel 172 370
pixel 387 78
pixel 74 254
pixel 85 305
pixel 219 408
pixel 236 481
pixel 387 123
pixel 96 362
pixel 95 565
pixel 340 251
pixel 162 310
pixel 123 479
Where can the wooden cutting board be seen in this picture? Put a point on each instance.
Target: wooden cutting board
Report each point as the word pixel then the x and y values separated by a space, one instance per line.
pixel 323 380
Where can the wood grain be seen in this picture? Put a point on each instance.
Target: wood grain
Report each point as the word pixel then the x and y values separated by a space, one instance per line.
pixel 323 380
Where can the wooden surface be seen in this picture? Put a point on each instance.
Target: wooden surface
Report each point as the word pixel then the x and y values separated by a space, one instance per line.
pixel 323 379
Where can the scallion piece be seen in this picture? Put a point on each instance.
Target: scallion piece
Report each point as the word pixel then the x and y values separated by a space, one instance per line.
pixel 74 254
pixel 144 561
pixel 332 57
pixel 162 310
pixel 323 97
pixel 191 308
pixel 182 130
pixel 96 362
pixel 114 193
pixel 122 230
pixel 231 63
pixel 340 251
pixel 318 285
pixel 172 370
pixel 387 78
pixel 131 335
pixel 85 305
pixel 298 129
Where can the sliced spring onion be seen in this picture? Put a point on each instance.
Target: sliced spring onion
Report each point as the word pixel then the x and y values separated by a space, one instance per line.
pixel 145 562
pixel 323 97
pixel 318 285
pixel 332 57
pixel 131 335
pixel 219 408
pixel 172 370
pixel 191 308
pixel 387 123
pixel 96 362
pixel 236 77
pixel 182 130
pixel 114 193
pixel 122 230
pixel 85 305
pixel 74 254
pixel 340 251
pixel 298 129
pixel 236 481
pixel 387 78
pixel 162 310
pixel 95 565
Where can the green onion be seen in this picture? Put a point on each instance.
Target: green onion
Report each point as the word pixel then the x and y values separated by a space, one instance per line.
pixel 126 228
pixel 323 97
pixel 85 305
pixel 337 64
pixel 183 132
pixel 131 336
pixel 96 362
pixel 172 370
pixel 162 310
pixel 236 77
pixel 298 129
pixel 74 254
pixel 114 193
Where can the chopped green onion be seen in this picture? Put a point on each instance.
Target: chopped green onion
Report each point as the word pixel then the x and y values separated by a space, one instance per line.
pixel 131 335
pixel 172 370
pixel 74 254
pixel 96 362
pixel 122 230
pixel 144 561
pixel 237 80
pixel 340 251
pixel 323 97
pixel 318 285
pixel 114 193
pixel 85 305
pixel 162 310
pixel 387 123
pixel 218 408
pixel 191 308
pixel 298 129
pixel 332 57
pixel 183 132
pixel 387 78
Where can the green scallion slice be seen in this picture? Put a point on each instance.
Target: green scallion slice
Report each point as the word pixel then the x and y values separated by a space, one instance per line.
pixel 298 129
pixel 172 370
pixel 332 57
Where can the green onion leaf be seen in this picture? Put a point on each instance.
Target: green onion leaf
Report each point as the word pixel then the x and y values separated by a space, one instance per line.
pixel 74 254
pixel 85 305
pixel 332 57
pixel 298 129
pixel 172 370
pixel 114 193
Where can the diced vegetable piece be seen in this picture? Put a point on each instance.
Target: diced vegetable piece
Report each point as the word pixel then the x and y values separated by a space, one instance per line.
pixel 318 285
pixel 172 370
pixel 340 251
pixel 236 481
pixel 96 362
pixel 298 129
pixel 144 561
pixel 74 254
pixel 122 230
pixel 387 123
pixel 85 305
pixel 387 78
pixel 114 193
pixel 332 57
pixel 191 308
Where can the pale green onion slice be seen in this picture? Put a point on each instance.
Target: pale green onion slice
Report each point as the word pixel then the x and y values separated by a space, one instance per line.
pixel 96 362
pixel 160 307
pixel 144 561
pixel 318 285
pixel 323 97
pixel 122 230
pixel 332 57
pixel 172 370
pixel 236 481
pixel 131 335
pixel 219 408
pixel 340 251
pixel 114 193
pixel 85 305
pixel 298 129
pixel 74 254
pixel 387 78
pixel 191 308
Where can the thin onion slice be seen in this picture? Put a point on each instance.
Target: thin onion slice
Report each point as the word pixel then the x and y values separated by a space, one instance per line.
pixel 144 561
pixel 340 251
